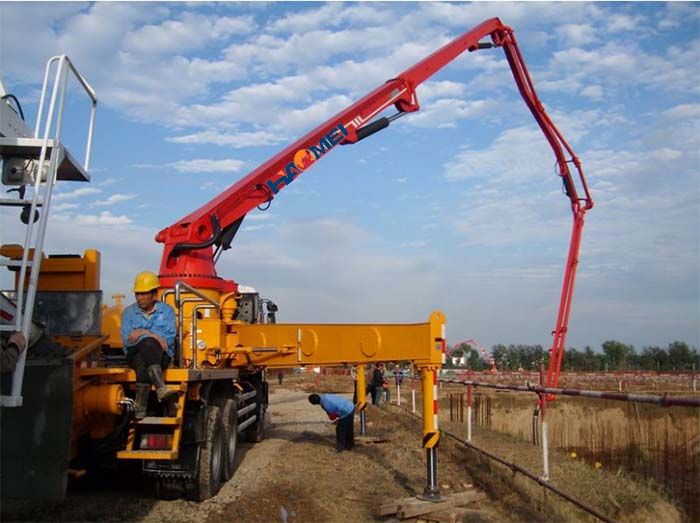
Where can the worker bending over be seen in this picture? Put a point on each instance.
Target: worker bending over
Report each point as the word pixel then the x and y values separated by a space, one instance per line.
pixel 148 333
pixel 341 412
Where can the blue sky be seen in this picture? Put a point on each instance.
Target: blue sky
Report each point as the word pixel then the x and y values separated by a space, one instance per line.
pixel 455 207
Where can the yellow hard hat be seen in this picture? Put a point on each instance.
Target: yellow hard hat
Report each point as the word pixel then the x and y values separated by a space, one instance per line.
pixel 146 282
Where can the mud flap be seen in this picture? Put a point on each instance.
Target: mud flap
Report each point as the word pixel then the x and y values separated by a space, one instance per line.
pixel 35 451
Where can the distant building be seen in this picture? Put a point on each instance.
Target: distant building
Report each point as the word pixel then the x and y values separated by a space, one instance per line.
pixel 459 361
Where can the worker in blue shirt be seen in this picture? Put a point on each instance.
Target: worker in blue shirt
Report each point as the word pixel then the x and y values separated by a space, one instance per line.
pixel 148 334
pixel 340 411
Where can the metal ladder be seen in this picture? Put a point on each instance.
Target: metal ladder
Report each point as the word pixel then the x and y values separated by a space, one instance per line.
pixel 170 425
pixel 39 161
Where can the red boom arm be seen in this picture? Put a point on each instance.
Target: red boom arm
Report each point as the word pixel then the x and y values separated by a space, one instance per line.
pixel 189 244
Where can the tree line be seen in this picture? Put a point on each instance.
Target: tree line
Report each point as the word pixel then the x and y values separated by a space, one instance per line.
pixel 614 355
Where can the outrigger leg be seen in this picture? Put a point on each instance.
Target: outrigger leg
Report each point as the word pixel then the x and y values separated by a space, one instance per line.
pixel 431 432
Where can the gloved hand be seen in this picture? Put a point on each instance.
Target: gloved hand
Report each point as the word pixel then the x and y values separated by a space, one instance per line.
pixel 17 338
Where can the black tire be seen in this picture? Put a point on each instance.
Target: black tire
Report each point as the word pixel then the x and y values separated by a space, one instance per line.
pixel 208 479
pixel 229 417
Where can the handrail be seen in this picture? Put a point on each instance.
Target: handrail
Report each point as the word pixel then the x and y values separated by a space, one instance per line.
pixel 180 328
pixel 179 301
pixel 61 71
pixel 166 294
pixel 23 317
pixel 180 284
pixel 193 334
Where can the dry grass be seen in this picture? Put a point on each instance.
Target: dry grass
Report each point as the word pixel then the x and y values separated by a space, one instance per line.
pixel 616 495
pixel 622 488
pixel 655 445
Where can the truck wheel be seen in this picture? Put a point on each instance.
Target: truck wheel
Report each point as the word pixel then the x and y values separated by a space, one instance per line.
pixel 229 417
pixel 208 479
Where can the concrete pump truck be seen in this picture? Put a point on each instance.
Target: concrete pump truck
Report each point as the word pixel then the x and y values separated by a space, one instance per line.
pixel 70 405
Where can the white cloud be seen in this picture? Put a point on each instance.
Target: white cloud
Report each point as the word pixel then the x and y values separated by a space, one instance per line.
pixel 446 112
pixel 147 85
pixel 615 66
pixel 307 19
pixel 207 166
pixel 611 163
pixel 517 153
pixel 440 89
pixel 329 15
pixel 190 31
pixel 61 207
pixel 266 54
pixel 276 103
pixel 77 193
pixel 678 14
pixel 622 22
pixel 577 34
pixel 522 16
pixel 104 218
pixel 684 112
pixel 107 182
pixel 261 216
pixel 250 228
pixel 115 198
pixel 197 165
pixel 324 263
pixel 594 92
pixel 647 198
pixel 236 140
pixel 665 153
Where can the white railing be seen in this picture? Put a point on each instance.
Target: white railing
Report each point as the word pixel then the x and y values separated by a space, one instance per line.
pixel 25 304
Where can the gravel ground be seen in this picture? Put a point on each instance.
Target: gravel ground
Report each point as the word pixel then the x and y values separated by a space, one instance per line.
pixel 293 475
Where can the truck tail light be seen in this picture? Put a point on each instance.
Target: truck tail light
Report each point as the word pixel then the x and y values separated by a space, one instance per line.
pixel 156 441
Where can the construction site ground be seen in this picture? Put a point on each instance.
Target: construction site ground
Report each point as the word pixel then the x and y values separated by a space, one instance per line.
pixel 295 475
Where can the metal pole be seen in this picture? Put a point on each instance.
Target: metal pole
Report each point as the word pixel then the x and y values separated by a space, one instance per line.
pixel 469 409
pixel 413 389
pixel 545 440
pixel 469 423
pixel 431 491
pixel 361 395
pixel 398 394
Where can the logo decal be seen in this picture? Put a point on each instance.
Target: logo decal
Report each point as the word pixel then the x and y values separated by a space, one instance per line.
pixel 305 158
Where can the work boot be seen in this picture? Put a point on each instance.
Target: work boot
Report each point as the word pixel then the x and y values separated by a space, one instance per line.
pixel 156 375
pixel 141 401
